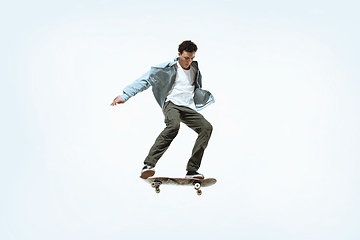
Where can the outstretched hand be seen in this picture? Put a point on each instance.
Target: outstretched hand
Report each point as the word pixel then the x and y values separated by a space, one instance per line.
pixel 117 100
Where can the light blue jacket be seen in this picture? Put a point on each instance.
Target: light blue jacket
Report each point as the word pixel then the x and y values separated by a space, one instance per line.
pixel 162 79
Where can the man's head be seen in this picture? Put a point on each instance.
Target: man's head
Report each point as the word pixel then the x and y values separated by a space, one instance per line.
pixel 187 50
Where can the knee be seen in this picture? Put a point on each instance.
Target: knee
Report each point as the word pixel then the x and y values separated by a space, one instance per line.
pixel 173 125
pixel 207 128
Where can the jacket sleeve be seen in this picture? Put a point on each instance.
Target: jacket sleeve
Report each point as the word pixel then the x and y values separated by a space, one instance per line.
pixel 139 85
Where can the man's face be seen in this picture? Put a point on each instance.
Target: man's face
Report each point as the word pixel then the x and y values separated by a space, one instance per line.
pixel 185 59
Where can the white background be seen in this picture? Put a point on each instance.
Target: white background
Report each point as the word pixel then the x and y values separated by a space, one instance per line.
pixel 285 146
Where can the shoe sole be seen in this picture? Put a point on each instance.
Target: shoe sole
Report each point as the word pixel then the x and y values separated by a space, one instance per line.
pixel 147 174
pixel 198 177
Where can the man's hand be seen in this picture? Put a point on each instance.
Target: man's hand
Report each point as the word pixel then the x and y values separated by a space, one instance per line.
pixel 117 100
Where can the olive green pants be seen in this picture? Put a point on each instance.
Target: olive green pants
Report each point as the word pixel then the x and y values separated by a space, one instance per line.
pixel 173 116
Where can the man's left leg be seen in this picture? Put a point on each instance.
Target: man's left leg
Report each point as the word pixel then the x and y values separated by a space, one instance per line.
pixel 203 128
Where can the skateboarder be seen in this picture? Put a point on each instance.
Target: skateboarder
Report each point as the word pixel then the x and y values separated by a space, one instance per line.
pixel 177 87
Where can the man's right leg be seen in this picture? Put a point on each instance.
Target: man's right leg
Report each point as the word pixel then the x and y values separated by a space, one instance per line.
pixel 163 141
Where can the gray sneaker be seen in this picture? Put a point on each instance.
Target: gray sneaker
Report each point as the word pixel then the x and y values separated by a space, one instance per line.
pixel 147 171
pixel 194 174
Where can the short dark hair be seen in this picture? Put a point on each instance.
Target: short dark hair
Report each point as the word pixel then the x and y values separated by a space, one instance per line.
pixel 188 46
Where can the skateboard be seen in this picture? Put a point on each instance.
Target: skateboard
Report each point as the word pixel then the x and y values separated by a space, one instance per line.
pixel 155 182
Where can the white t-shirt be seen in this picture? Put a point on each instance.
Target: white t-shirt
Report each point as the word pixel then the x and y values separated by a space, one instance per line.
pixel 182 93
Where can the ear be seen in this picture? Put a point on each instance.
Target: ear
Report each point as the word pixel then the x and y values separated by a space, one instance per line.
pixel 179 54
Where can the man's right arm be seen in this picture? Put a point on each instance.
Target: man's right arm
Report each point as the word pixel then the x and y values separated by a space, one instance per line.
pixel 139 85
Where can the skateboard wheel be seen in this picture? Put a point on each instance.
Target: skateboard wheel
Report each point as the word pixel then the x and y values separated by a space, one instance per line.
pixel 199 192
pixel 197 186
pixel 157 190
pixel 153 184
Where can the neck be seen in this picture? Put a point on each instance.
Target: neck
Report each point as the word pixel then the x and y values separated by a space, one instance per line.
pixel 183 67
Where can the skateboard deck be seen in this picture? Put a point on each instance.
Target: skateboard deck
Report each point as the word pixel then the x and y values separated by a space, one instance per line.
pixel 155 182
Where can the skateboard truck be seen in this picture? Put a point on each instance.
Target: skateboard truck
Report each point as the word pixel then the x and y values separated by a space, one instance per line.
pixel 156 185
pixel 197 188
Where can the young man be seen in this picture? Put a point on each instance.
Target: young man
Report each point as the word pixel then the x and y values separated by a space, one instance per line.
pixel 176 86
